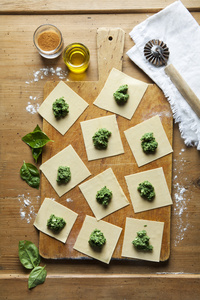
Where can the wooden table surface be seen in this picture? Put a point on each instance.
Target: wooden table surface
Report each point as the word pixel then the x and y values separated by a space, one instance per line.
pixel 22 78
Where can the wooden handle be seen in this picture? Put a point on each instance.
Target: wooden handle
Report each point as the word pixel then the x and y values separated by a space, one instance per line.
pixel 183 88
pixel 110 46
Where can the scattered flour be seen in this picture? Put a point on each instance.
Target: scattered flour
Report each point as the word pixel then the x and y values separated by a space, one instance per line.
pixel 32 108
pixel 47 73
pixel 27 210
pixel 180 204
pixel 69 200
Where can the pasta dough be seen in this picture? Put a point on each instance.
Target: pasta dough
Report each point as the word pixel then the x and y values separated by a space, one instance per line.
pixel 136 90
pixel 76 107
pixel 90 188
pixel 49 207
pixel 157 178
pixel 111 233
pixel 67 157
pixel 134 134
pixel 154 230
pixel 89 128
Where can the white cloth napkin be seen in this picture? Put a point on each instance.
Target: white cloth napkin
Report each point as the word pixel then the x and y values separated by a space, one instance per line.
pixel 175 26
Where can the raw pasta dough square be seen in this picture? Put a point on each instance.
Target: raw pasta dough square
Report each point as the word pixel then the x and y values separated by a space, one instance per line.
pixel 68 158
pixel 136 90
pixel 92 186
pixel 90 127
pixel 157 178
pixel 154 230
pixel 134 134
pixel 76 107
pixel 50 207
pixel 111 233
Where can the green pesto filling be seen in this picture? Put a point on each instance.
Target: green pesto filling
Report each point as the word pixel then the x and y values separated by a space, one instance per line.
pixel 148 143
pixel 63 175
pixel 97 239
pixel 104 196
pixel 121 95
pixel 60 108
pixel 141 242
pixel 146 190
pixel 100 138
pixel 56 223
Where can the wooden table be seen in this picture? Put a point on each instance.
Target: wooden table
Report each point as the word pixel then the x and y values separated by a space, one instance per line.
pixel 21 91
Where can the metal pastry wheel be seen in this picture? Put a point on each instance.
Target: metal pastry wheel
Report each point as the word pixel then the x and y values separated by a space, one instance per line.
pixel 157 53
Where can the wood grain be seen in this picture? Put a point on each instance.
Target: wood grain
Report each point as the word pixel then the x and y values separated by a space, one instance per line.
pixel 89 6
pixel 110 52
pixel 178 277
pixel 104 287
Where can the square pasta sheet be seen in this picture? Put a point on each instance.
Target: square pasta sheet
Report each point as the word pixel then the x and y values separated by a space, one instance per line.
pixel 111 233
pixel 90 127
pixel 134 134
pixel 136 90
pixel 92 186
pixel 154 231
pixel 69 158
pixel 50 207
pixel 76 107
pixel 157 178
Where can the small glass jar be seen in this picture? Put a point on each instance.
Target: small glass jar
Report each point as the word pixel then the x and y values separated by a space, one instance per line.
pixel 48 40
pixel 76 57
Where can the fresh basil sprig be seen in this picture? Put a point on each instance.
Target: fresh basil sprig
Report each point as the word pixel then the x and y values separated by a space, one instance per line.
pixel 37 276
pixel 28 254
pixel 36 151
pixel 30 259
pixel 36 140
pixel 30 174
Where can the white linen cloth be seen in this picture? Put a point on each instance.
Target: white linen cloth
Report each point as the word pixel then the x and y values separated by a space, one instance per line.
pixel 176 27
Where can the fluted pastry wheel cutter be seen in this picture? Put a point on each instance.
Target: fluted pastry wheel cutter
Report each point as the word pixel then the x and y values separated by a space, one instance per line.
pixel 157 53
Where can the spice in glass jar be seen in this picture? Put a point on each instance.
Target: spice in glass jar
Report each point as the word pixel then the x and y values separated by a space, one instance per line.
pixel 48 41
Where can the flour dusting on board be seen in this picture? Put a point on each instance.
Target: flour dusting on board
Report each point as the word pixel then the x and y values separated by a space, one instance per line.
pixel 44 74
pixel 27 210
pixel 69 200
pixel 181 201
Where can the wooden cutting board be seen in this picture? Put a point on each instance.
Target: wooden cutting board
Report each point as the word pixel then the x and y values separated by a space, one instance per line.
pixel 110 45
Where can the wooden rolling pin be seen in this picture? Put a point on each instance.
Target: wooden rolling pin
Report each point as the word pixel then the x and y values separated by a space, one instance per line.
pixel 183 88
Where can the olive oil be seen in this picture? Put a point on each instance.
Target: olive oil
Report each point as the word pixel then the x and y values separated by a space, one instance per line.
pixel 76 57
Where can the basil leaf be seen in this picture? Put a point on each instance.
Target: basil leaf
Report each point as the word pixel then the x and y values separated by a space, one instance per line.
pixel 36 139
pixel 36 277
pixel 28 254
pixel 36 153
pixel 30 174
pixel 37 128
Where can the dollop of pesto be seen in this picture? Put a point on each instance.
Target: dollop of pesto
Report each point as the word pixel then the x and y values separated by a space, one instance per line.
pixel 104 196
pixel 56 224
pixel 60 108
pixel 97 239
pixel 100 138
pixel 141 242
pixel 146 190
pixel 63 175
pixel 148 143
pixel 121 95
